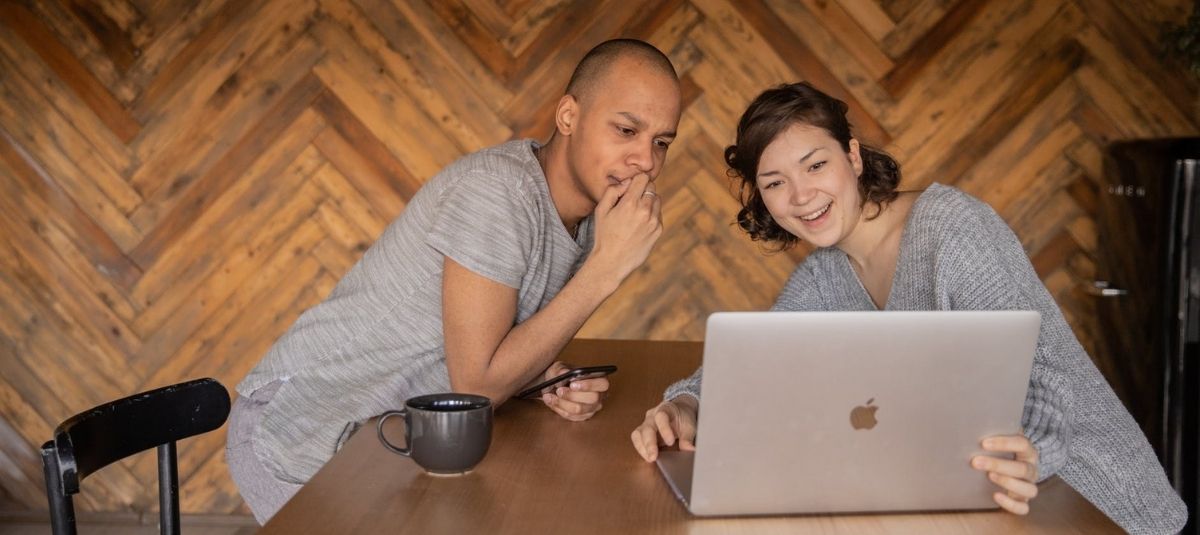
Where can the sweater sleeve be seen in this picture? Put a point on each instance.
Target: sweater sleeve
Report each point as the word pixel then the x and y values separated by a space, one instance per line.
pixel 1080 428
pixel 800 293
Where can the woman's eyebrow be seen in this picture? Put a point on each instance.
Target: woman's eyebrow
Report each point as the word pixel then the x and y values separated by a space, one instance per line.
pixel 806 156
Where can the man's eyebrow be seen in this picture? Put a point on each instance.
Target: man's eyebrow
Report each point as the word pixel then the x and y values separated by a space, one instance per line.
pixel 637 122
pixel 640 124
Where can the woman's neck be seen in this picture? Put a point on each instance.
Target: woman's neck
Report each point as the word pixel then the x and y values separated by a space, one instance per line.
pixel 876 241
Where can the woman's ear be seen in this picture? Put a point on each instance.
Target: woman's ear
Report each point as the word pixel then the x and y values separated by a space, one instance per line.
pixel 566 115
pixel 855 157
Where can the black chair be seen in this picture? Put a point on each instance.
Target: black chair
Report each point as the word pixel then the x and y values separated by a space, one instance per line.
pixel 108 433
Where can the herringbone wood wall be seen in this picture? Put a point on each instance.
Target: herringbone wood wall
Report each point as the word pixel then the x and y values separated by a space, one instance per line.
pixel 182 178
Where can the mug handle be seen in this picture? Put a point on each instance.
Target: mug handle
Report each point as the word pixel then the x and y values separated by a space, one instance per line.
pixel 405 451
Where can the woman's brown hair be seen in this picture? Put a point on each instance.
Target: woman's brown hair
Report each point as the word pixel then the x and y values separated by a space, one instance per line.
pixel 774 111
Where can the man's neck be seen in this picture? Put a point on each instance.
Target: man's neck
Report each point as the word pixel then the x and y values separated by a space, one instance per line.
pixel 572 203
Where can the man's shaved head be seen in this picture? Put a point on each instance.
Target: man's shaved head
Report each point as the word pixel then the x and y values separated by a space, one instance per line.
pixel 597 62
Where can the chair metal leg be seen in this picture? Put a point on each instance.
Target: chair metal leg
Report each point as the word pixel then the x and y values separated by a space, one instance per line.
pixel 62 509
pixel 168 490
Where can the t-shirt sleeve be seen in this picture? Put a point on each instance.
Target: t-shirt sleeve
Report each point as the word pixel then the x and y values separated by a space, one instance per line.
pixel 486 226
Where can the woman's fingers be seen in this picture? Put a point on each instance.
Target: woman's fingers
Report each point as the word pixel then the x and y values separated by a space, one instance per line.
pixel 645 440
pixel 663 421
pixel 1017 488
pixel 1017 469
pixel 1016 507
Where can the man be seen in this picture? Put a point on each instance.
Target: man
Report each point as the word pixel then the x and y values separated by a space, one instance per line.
pixel 492 268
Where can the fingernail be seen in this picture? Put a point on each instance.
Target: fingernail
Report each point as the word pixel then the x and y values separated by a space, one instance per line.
pixel 977 462
pixel 560 391
pixel 548 398
pixel 574 386
pixel 987 442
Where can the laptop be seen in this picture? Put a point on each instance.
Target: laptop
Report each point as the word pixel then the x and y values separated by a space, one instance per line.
pixel 838 412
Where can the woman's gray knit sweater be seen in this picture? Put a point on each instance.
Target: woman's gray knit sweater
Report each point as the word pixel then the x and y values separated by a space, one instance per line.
pixel 956 253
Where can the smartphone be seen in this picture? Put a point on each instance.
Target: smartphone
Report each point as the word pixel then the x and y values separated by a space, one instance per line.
pixel 587 372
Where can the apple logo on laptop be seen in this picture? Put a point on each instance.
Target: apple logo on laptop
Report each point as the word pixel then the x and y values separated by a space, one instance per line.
pixel 863 416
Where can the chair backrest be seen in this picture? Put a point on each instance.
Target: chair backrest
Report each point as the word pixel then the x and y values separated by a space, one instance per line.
pixel 110 432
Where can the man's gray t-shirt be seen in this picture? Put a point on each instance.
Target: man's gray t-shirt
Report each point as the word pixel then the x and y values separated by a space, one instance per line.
pixel 377 339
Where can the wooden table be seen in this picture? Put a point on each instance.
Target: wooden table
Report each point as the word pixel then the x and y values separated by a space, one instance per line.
pixel 547 475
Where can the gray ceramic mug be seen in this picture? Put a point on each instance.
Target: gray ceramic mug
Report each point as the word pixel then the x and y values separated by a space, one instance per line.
pixel 443 433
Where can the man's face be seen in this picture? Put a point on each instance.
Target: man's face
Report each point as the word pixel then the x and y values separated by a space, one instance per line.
pixel 623 127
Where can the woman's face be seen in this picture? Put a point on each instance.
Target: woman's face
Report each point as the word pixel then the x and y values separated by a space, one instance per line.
pixel 810 185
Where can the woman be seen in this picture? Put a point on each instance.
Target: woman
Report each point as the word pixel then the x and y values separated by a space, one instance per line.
pixel 804 177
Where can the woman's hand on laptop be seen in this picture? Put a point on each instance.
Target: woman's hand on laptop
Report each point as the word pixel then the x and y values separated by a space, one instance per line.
pixel 577 401
pixel 674 419
pixel 1018 476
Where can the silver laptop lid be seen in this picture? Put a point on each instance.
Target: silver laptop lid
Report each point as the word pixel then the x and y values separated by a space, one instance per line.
pixel 814 412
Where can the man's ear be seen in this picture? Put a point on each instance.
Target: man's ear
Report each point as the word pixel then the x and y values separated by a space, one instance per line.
pixel 566 116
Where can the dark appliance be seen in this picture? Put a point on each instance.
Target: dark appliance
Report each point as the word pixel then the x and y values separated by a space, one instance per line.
pixel 1148 296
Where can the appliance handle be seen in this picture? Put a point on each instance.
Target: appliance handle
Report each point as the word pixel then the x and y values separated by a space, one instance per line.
pixel 1104 289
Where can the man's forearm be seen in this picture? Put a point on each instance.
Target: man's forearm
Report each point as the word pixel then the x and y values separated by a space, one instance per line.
pixel 531 346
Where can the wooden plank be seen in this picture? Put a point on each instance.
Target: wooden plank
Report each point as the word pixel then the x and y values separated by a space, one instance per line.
pixel 967 141
pixel 916 23
pixel 111 33
pixel 261 191
pixel 1137 85
pixel 31 112
pixel 870 16
pixel 475 34
pixel 484 127
pixel 349 203
pixel 838 54
pixel 169 330
pixel 107 331
pixel 1135 30
pixel 899 9
pixel 975 56
pixel 671 37
pixel 1125 118
pixel 921 52
pixel 28 128
pixel 493 16
pixel 378 103
pixel 232 111
pixel 19 59
pixel 210 78
pixel 1010 168
pixel 176 214
pixel 72 72
pixel 980 62
pixel 198 356
pixel 21 464
pixel 45 199
pixel 417 33
pixel 832 24
pixel 529 23
pixel 788 48
pixel 213 50
pixel 39 319
pixel 376 184
pixel 180 31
